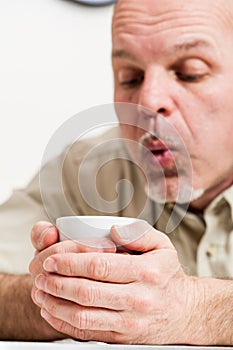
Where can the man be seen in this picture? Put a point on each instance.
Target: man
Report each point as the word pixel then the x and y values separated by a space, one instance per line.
pixel 175 59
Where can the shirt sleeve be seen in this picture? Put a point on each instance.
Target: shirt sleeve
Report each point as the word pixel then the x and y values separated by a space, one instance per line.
pixel 17 216
pixel 25 207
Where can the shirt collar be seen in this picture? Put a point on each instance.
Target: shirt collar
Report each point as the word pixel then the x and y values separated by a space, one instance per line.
pixel 228 195
pixel 224 198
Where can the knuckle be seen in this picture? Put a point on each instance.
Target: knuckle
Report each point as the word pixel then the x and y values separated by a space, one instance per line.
pixel 100 267
pixel 91 295
pixel 57 286
pixel 144 304
pixel 86 294
pixel 131 324
pixel 149 275
pixel 139 303
pixel 67 265
pixel 80 334
pixel 80 294
pixel 130 301
pixel 61 326
pixel 88 297
pixel 80 319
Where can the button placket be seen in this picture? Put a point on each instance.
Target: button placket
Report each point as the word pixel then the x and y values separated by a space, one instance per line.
pixel 212 258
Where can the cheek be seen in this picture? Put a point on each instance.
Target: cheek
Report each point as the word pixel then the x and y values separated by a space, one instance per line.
pixel 211 125
pixel 131 132
pixel 202 115
pixel 120 96
pixel 125 95
pixel 216 121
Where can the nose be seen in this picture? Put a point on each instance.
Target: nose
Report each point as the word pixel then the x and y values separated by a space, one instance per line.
pixel 155 92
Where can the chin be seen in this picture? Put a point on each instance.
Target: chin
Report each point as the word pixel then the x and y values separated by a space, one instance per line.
pixel 173 190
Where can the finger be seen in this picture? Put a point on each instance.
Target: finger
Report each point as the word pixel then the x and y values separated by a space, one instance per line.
pixel 36 265
pixel 90 293
pixel 86 318
pixel 33 292
pixel 109 267
pixel 43 235
pixel 80 334
pixel 140 236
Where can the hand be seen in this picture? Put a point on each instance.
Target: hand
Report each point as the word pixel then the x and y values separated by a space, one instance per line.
pixel 45 238
pixel 140 299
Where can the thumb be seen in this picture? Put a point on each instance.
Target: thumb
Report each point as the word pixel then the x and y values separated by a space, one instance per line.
pixel 43 235
pixel 140 236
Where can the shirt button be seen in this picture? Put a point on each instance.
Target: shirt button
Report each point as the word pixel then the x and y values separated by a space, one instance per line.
pixel 212 250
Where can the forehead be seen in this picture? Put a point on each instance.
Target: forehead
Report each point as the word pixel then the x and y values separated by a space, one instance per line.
pixel 142 16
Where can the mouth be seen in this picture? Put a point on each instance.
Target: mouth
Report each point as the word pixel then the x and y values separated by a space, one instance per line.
pixel 159 154
pixel 163 157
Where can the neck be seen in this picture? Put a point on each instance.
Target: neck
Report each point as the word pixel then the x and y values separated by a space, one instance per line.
pixel 201 203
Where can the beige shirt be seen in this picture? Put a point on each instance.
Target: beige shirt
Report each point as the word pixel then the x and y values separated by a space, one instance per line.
pixel 89 179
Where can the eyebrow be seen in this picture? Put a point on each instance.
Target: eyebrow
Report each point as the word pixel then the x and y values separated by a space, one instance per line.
pixel 177 49
pixel 190 45
pixel 122 54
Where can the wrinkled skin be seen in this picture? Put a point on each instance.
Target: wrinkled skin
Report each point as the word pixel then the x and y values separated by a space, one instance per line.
pixel 117 298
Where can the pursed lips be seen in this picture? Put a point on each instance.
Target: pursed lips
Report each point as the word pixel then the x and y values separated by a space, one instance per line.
pixel 159 152
pixel 155 145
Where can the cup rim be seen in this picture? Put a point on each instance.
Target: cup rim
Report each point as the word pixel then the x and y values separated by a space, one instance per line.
pixel 96 217
pixel 92 220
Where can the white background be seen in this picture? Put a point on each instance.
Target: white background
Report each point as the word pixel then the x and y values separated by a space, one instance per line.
pixel 54 62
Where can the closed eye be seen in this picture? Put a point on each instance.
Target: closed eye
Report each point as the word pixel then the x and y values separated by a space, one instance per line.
pixel 189 78
pixel 131 83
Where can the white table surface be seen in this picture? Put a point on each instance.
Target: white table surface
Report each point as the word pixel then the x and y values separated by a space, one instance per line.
pixel 71 345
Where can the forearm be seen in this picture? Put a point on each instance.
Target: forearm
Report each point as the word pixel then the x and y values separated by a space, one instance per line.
pixel 219 311
pixel 19 317
pixel 214 313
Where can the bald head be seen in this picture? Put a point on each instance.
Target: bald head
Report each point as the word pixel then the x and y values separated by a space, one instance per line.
pixel 222 8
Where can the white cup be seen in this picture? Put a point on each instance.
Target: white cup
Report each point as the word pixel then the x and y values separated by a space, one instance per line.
pixel 89 227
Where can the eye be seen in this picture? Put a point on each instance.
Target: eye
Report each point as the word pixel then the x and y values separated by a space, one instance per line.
pixel 191 70
pixel 132 82
pixel 130 78
pixel 189 78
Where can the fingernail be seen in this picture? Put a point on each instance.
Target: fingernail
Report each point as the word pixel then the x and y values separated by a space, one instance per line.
pixel 40 297
pixel 50 265
pixel 123 232
pixel 43 233
pixel 132 232
pixel 41 227
pixel 40 282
